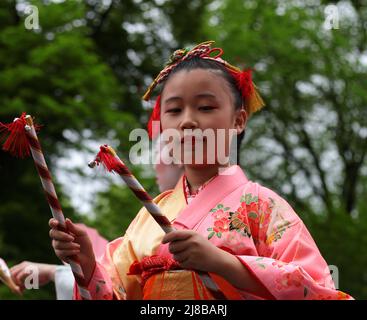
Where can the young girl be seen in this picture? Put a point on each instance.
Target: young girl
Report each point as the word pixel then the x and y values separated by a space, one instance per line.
pixel 245 236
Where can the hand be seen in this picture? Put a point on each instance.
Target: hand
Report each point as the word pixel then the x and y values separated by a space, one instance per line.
pixel 46 273
pixel 192 251
pixel 75 243
pixel 8 280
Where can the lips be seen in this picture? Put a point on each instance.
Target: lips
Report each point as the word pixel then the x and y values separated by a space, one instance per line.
pixel 192 139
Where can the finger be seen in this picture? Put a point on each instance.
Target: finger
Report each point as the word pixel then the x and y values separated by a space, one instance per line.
pixel 177 235
pixel 73 228
pixel 181 257
pixel 16 273
pixel 178 246
pixel 21 287
pixel 187 264
pixel 65 254
pixel 60 235
pixel 15 269
pixel 64 245
pixel 53 223
pixel 16 278
pixel 19 279
pixel 61 245
pixel 18 290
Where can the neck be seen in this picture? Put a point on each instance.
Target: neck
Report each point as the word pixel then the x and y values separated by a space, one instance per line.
pixel 198 175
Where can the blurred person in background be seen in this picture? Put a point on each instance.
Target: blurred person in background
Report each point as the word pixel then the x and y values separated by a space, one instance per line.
pixel 61 275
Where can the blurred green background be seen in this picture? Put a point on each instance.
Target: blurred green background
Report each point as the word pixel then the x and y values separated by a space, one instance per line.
pixel 82 75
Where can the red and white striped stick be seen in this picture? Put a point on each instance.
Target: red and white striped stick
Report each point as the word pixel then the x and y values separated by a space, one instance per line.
pixel 22 139
pixel 52 199
pixel 135 186
pixel 108 157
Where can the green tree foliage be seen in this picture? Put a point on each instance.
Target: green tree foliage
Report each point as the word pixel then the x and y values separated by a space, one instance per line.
pixel 55 74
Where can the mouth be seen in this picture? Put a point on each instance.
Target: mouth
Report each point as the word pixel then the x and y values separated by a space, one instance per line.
pixel 192 139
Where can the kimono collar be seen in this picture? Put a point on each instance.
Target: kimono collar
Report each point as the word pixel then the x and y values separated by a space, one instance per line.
pixel 215 191
pixel 189 195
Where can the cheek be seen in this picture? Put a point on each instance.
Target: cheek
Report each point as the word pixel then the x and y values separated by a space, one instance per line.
pixel 232 119
pixel 168 122
pixel 224 119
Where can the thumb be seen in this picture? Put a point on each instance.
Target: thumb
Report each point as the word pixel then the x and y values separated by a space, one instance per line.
pixel 73 228
pixel 18 290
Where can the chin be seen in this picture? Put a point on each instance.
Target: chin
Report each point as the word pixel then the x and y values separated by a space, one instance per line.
pixel 202 165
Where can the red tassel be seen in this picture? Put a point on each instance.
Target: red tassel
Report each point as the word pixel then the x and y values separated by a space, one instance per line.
pixel 155 116
pixel 108 160
pixel 16 138
pixel 244 82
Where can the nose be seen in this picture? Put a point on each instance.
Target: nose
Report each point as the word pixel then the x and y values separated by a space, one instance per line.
pixel 188 120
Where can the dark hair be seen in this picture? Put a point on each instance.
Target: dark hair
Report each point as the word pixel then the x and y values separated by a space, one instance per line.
pixel 199 63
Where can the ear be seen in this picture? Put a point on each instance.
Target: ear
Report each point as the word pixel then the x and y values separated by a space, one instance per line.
pixel 240 120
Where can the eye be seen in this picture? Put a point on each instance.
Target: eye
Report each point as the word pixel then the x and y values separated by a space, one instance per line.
pixel 173 110
pixel 206 108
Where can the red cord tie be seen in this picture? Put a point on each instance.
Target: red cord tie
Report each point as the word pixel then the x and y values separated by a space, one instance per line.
pixel 152 265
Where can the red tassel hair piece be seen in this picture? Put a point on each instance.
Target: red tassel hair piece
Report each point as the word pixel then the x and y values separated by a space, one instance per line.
pixel 244 82
pixel 14 134
pixel 155 116
pixel 251 98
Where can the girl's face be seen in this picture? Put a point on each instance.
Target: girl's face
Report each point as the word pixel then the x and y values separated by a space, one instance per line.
pixel 200 99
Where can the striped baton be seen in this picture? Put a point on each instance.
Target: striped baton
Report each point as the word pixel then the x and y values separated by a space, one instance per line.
pixel 108 157
pixel 23 140
pixel 52 199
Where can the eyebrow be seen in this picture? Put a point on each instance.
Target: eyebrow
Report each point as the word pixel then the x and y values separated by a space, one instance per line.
pixel 200 95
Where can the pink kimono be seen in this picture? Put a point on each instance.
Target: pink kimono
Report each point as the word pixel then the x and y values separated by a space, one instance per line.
pixel 237 215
